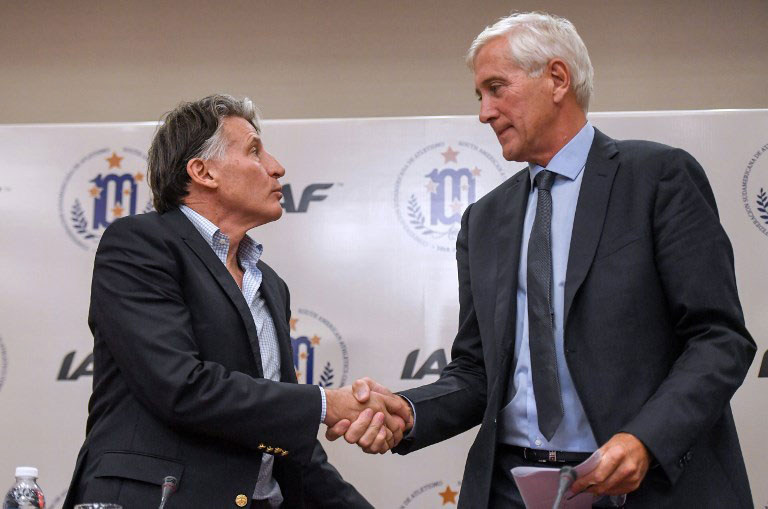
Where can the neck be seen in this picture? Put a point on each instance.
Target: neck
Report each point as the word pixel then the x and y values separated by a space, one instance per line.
pixel 568 124
pixel 233 227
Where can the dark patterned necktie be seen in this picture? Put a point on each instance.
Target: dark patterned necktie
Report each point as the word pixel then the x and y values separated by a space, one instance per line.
pixel 541 333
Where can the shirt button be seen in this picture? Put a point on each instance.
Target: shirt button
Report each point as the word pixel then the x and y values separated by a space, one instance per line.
pixel 537 442
pixel 222 241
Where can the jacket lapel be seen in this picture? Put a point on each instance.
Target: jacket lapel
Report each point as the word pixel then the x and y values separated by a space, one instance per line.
pixel 510 221
pixel 271 296
pixel 591 208
pixel 200 247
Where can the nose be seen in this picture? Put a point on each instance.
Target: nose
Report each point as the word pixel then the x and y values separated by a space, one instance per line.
pixel 274 168
pixel 488 110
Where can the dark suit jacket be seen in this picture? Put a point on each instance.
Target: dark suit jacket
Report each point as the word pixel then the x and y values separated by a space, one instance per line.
pixel 178 385
pixel 654 334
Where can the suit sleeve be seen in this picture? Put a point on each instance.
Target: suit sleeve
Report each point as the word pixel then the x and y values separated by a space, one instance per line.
pixel 324 487
pixel 695 264
pixel 456 402
pixel 138 310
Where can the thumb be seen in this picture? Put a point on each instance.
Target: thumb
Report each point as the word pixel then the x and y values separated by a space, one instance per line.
pixel 337 430
pixel 361 391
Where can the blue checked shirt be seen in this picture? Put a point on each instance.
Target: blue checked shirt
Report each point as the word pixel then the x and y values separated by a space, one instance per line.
pixel 248 256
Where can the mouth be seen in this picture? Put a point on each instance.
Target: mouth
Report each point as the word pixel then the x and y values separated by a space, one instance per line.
pixel 501 130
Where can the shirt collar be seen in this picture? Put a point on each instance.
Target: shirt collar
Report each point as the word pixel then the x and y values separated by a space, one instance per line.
pixel 249 251
pixel 571 159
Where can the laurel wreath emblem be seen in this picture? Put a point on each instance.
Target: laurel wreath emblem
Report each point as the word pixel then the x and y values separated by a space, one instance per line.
pixel 762 205
pixel 79 223
pixel 326 379
pixel 418 221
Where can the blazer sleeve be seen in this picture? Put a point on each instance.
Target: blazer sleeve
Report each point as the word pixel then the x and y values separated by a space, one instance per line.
pixel 695 264
pixel 138 310
pixel 457 400
pixel 325 488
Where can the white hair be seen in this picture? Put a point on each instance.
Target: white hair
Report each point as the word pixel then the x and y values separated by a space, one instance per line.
pixel 215 147
pixel 535 38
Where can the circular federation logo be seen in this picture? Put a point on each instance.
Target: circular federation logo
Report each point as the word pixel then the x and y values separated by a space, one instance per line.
pixel 319 352
pixel 101 187
pixel 754 189
pixel 3 363
pixel 437 184
pixel 434 494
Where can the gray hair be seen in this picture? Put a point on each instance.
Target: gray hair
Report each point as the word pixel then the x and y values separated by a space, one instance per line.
pixel 535 38
pixel 191 130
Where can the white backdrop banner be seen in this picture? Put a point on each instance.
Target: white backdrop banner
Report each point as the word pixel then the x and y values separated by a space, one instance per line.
pixel 366 246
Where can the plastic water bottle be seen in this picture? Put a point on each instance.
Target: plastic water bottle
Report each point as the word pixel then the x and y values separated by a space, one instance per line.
pixel 25 493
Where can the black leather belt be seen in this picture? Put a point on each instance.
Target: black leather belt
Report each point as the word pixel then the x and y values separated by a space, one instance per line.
pixel 548 456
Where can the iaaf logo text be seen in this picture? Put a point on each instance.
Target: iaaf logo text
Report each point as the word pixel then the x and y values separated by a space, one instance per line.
pixel 312 192
pixel 433 365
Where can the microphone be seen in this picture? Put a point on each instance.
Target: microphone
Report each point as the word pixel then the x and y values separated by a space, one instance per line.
pixel 567 478
pixel 169 486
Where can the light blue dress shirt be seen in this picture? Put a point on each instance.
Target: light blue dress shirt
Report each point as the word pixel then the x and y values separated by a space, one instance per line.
pixel 519 419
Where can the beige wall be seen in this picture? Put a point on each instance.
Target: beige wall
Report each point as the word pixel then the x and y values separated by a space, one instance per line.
pixel 77 61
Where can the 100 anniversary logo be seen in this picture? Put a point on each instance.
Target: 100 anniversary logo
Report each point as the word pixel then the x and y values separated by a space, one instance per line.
pixel 437 184
pixel 429 495
pixel 754 189
pixel 319 352
pixel 103 186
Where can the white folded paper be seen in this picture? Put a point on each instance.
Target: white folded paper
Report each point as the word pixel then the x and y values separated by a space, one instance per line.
pixel 538 485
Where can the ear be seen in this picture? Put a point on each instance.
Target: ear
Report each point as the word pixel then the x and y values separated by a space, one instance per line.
pixel 199 172
pixel 560 76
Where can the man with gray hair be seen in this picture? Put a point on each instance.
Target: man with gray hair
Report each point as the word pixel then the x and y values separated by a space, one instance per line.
pixel 193 370
pixel 598 303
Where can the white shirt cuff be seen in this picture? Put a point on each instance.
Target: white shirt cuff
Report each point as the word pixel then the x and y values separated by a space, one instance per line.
pixel 323 410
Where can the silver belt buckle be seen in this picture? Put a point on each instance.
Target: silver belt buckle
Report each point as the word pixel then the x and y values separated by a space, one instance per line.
pixel 552 456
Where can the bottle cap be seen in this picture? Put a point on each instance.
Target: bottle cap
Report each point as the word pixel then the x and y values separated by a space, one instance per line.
pixel 26 472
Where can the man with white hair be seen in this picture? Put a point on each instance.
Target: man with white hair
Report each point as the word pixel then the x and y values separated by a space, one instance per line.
pixel 598 301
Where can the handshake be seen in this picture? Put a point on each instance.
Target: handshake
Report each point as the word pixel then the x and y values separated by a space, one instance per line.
pixel 367 414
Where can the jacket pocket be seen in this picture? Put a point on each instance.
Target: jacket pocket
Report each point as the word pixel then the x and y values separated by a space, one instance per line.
pixel 138 467
pixel 612 246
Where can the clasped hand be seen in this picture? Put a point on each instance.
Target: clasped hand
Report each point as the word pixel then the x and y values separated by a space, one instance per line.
pixel 367 414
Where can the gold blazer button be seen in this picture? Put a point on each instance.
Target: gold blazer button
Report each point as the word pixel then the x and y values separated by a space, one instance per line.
pixel 241 500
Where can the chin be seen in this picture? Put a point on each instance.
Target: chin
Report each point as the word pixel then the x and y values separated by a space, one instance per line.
pixel 276 214
pixel 513 156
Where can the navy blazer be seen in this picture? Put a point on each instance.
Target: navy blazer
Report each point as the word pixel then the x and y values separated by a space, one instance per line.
pixel 178 386
pixel 654 333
